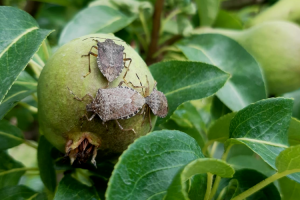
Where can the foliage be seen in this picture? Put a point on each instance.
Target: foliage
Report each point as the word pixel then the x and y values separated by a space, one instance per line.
pixel 232 130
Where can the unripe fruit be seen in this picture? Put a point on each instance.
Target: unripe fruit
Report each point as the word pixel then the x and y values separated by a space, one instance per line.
pixel 59 113
pixel 276 47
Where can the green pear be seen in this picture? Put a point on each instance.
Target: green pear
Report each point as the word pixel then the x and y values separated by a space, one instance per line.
pixel 276 47
pixel 287 10
pixel 60 114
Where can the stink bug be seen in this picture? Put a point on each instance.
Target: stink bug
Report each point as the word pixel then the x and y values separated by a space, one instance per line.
pixel 116 103
pixel 110 59
pixel 156 101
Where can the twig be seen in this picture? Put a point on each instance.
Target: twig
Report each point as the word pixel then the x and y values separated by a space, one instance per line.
pixel 153 47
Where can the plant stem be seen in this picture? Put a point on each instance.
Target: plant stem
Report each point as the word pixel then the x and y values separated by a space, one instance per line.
pixel 159 4
pixel 29 107
pixel 207 144
pixel 35 67
pixel 18 169
pixel 213 149
pixel 28 143
pixel 45 50
pixel 264 183
pixel 218 178
pixel 208 187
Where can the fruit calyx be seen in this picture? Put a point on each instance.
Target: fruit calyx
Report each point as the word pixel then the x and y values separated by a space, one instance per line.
pixel 82 149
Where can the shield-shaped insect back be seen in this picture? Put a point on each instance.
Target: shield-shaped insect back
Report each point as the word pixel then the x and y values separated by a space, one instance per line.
pixel 110 59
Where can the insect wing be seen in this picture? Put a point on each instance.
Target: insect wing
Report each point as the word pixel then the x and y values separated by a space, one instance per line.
pixel 110 59
pixel 121 103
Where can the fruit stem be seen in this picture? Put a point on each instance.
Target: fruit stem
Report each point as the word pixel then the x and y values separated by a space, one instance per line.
pixel 208 187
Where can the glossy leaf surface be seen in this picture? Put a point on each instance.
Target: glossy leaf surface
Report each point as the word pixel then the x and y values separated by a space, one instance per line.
pixel 147 167
pixel 20 39
pixel 246 84
pixel 46 164
pixel 186 81
pixel 17 192
pixel 22 87
pixel 263 127
pixel 294 132
pixel 70 189
pixel 10 135
pixel 10 170
pixel 96 19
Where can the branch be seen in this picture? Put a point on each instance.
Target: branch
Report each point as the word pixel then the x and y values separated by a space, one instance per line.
pixel 153 47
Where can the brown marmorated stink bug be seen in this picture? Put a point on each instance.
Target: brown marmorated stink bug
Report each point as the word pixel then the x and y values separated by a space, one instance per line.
pixel 116 103
pixel 156 101
pixel 110 59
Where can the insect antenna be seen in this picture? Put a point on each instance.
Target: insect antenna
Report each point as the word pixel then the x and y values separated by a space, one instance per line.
pixel 141 84
pixel 104 38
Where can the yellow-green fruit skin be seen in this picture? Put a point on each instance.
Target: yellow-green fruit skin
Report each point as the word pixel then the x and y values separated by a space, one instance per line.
pixel 59 113
pixel 276 47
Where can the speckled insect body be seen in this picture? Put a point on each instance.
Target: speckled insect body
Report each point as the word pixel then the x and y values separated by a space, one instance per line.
pixel 110 60
pixel 116 103
pixel 158 103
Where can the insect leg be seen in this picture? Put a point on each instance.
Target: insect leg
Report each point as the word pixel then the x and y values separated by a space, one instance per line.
pixel 90 53
pixel 149 115
pixel 126 59
pixel 89 119
pixel 123 129
pixel 80 99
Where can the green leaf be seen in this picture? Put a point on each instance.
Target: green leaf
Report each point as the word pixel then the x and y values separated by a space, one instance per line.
pixel 290 190
pixel 46 164
pixel 70 189
pixel 208 11
pixel 254 162
pixel 218 108
pixel 147 167
pixel 21 38
pixel 197 186
pixel 219 130
pixel 263 127
pixel 296 96
pixel 183 81
pixel 246 84
pixel 227 20
pixel 18 192
pixel 191 131
pixel 187 119
pixel 247 178
pixel 96 19
pixel 10 170
pixel 177 189
pixel 289 159
pixel 10 136
pixel 294 132
pixel 22 87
